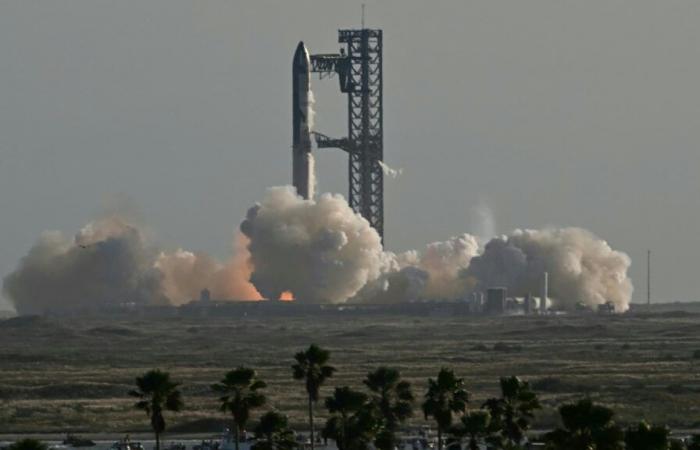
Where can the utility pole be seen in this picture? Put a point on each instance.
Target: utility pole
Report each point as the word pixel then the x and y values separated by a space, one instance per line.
pixel 648 277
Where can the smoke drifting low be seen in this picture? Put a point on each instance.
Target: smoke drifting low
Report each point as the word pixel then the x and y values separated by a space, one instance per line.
pixel 108 262
pixel 319 251
pixel 322 251
pixel 582 267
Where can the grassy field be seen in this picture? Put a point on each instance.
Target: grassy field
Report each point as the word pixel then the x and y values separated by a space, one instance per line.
pixel 57 376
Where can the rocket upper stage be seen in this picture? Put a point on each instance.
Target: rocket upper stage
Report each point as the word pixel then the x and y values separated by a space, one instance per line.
pixel 302 61
pixel 302 160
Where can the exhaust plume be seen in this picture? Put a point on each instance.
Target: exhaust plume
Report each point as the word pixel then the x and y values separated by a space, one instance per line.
pixel 108 262
pixel 105 263
pixel 186 273
pixel 319 250
pixel 443 262
pixel 312 251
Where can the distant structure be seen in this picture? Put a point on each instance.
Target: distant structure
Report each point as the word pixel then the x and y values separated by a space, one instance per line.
pixel 606 308
pixel 495 301
pixel 359 70
pixel 205 296
pixel 545 293
pixel 529 305
pixel 648 277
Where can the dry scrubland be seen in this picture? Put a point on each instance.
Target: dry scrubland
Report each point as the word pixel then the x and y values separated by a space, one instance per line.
pixel 65 375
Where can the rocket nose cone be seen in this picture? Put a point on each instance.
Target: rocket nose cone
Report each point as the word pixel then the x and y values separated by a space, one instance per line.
pixel 301 55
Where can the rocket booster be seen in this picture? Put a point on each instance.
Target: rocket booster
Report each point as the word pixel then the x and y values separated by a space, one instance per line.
pixel 302 159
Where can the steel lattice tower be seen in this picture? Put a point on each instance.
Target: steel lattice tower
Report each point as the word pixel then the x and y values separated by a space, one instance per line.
pixel 359 68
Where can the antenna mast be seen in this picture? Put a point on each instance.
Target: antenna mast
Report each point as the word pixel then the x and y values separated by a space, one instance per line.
pixel 363 16
pixel 648 277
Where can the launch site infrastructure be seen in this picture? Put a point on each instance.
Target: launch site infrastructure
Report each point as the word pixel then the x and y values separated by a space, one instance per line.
pixel 327 249
pixel 359 69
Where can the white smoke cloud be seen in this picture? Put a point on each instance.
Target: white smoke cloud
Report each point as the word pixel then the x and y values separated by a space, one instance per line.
pixel 388 171
pixel 320 250
pixel 582 267
pixel 311 160
pixel 324 252
pixel 396 286
pixel 105 263
pixel 108 262
pixel 443 261
pixel 483 222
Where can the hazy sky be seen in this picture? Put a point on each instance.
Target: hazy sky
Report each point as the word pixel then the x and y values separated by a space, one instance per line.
pixel 555 112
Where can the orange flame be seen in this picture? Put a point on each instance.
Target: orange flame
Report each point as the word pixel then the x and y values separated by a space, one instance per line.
pixel 287 296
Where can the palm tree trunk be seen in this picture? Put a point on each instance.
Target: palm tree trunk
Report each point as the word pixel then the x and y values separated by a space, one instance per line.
pixel 311 421
pixel 439 438
pixel 344 437
pixel 157 440
pixel 236 436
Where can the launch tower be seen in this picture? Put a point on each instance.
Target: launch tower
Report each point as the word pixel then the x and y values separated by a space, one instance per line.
pixel 359 70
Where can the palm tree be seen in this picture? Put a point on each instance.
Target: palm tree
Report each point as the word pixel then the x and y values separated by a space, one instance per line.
pixel 475 425
pixel 273 433
pixel 349 424
pixel 446 395
pixel 393 398
pixel 157 393
pixel 647 437
pixel 586 426
pixel 240 394
pixel 513 411
pixel 312 367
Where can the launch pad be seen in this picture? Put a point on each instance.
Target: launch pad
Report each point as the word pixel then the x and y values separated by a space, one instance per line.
pixel 359 70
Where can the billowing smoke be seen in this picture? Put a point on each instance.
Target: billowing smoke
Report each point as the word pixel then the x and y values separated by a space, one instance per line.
pixel 582 268
pixel 443 262
pixel 186 273
pixel 319 250
pixel 432 274
pixel 106 262
pixel 403 285
pixel 109 262
pixel 322 251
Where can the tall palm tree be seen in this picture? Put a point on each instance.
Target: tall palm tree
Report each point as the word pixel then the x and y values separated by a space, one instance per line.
pixel 475 426
pixel 312 367
pixel 393 398
pixel 647 437
pixel 586 426
pixel 157 393
pixel 240 394
pixel 273 433
pixel 348 425
pixel 513 412
pixel 446 395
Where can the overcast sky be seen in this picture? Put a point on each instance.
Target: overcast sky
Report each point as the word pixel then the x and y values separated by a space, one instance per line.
pixel 562 113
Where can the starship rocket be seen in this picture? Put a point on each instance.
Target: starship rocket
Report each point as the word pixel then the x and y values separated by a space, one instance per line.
pixel 302 159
